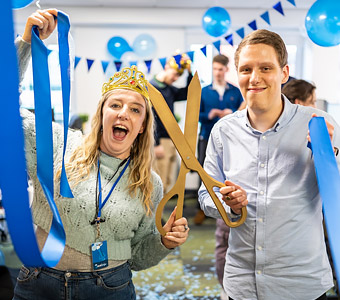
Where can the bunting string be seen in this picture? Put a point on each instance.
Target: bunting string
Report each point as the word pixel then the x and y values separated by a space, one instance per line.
pixel 253 25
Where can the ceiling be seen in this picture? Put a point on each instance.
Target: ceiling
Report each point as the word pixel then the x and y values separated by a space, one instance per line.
pixel 261 4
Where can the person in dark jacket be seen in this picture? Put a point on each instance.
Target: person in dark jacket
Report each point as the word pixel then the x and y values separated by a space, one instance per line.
pixel 218 99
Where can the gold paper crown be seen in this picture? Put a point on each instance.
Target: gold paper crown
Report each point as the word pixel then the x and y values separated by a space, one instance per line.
pixel 129 79
pixel 184 63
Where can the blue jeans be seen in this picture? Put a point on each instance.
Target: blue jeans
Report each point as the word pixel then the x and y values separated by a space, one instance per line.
pixel 47 283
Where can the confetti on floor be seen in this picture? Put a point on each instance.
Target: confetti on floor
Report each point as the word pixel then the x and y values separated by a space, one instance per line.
pixel 189 272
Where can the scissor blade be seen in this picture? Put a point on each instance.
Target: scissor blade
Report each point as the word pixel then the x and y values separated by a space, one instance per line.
pixel 172 128
pixel 192 112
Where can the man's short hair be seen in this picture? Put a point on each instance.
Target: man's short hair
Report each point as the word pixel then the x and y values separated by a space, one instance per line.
pixel 263 36
pixel 221 59
pixel 298 89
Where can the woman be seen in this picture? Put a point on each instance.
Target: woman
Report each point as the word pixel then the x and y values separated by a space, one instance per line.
pixel 120 144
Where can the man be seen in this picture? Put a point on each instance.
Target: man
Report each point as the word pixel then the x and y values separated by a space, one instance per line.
pixel 218 100
pixel 165 150
pixel 301 92
pixel 279 252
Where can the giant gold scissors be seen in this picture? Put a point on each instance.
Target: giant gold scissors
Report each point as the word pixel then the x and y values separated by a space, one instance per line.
pixel 185 145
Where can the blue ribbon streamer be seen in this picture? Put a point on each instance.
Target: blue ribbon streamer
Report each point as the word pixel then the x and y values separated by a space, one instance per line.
pixel 13 177
pixel 329 184
pixel 64 59
pixel 42 100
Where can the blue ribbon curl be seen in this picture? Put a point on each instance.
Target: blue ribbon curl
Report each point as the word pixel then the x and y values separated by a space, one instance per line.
pixel 13 175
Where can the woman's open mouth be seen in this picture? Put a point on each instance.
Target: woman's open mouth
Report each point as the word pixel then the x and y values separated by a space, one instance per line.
pixel 120 132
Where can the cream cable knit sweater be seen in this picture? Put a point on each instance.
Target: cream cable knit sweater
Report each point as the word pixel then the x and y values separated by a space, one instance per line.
pixel 130 234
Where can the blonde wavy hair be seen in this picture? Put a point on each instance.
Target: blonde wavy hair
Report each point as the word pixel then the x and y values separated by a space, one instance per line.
pixel 142 156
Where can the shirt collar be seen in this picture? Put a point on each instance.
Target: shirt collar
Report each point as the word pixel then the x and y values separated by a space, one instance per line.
pixel 214 85
pixel 285 117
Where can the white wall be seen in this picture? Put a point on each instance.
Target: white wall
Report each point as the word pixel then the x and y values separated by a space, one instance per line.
pixel 174 29
pixel 178 29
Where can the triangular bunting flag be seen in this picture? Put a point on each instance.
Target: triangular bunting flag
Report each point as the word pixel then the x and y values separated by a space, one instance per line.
pixel 162 61
pixel 148 64
pixel 292 2
pixel 217 45
pixel 253 25
pixel 76 61
pixel 279 8
pixel 204 50
pixel 104 65
pixel 191 55
pixel 133 63
pixel 265 16
pixel 240 32
pixel 229 39
pixel 178 58
pixel 89 63
pixel 118 64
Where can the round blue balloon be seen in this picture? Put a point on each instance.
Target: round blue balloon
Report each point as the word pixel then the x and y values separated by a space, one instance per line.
pixel 129 58
pixel 20 3
pixel 117 46
pixel 323 23
pixel 216 21
pixel 144 45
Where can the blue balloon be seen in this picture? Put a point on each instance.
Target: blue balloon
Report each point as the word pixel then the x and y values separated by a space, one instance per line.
pixel 20 3
pixel 216 21
pixel 117 46
pixel 323 23
pixel 144 45
pixel 129 58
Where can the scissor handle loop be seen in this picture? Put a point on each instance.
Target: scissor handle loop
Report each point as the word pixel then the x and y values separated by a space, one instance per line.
pixel 160 208
pixel 177 189
pixel 210 183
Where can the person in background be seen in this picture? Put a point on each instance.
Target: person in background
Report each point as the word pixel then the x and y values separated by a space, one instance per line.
pixel 299 91
pixel 261 155
pixel 165 151
pixel 120 143
pixel 218 100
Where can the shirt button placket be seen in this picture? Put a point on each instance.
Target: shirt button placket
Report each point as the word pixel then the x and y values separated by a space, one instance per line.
pixel 260 209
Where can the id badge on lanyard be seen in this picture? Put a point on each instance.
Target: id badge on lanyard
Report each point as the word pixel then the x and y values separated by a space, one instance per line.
pixel 99 248
pixel 99 255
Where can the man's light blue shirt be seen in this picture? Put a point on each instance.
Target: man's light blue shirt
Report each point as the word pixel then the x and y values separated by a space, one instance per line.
pixel 279 252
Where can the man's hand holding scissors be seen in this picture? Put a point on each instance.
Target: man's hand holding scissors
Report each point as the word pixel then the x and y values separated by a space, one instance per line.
pixel 234 196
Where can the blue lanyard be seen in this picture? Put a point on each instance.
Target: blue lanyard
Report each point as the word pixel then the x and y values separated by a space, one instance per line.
pixel 100 203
